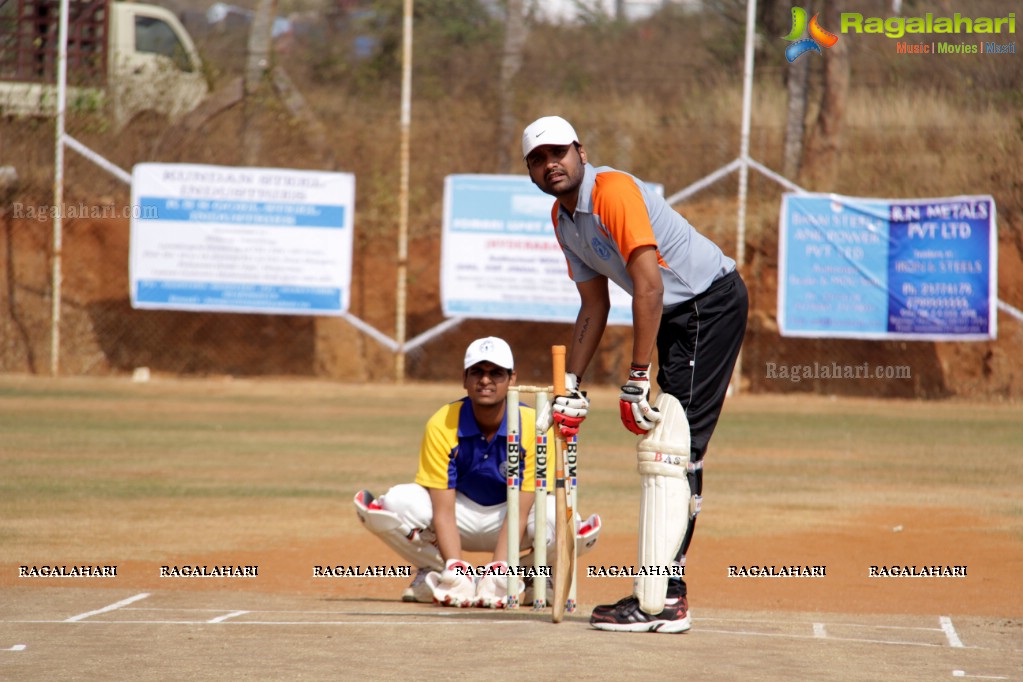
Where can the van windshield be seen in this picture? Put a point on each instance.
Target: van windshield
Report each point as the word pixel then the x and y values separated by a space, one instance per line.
pixel 156 36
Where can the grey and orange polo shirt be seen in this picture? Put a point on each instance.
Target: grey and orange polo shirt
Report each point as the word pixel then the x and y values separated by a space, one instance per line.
pixel 617 213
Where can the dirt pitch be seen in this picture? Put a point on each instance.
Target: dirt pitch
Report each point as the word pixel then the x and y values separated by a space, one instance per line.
pixel 261 473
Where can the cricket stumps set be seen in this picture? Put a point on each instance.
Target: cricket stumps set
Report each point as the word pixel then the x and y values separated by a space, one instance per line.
pixel 564 578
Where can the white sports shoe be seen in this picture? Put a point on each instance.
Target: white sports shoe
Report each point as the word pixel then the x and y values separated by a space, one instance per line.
pixel 418 590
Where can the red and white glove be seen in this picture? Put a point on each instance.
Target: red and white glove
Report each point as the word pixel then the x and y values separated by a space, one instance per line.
pixel 492 588
pixel 455 586
pixel 570 409
pixel 634 401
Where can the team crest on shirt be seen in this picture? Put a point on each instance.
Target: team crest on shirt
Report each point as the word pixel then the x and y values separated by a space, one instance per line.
pixel 503 468
pixel 600 248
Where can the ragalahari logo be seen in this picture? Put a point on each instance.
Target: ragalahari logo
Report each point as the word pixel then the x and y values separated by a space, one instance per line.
pixel 819 37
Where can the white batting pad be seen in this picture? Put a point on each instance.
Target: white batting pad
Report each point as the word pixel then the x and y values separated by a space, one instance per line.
pixel 398 534
pixel 587 534
pixel 663 455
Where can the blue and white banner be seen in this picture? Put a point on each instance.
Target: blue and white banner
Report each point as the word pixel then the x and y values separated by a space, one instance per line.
pixel 243 240
pixel 500 258
pixel 911 269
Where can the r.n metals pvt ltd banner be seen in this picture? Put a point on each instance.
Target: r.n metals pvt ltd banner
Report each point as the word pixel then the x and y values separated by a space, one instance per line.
pixel 909 269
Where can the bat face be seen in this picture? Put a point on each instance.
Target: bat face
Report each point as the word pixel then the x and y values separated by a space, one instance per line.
pixel 564 568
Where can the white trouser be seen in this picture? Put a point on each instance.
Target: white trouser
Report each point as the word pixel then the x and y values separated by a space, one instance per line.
pixel 478 525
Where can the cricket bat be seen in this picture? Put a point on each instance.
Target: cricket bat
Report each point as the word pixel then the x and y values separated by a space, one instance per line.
pixel 564 542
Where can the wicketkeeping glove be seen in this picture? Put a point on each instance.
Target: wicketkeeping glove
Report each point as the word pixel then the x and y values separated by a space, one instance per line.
pixel 492 588
pixel 455 585
pixel 570 410
pixel 634 401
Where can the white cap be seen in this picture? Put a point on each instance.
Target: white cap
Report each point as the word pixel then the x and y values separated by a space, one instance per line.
pixel 489 349
pixel 547 130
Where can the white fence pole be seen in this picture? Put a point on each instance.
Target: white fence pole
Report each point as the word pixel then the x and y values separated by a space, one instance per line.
pixel 58 188
pixel 403 208
pixel 747 112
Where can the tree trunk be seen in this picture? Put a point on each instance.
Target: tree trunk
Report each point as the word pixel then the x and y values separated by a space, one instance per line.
pixel 795 122
pixel 256 67
pixel 767 16
pixel 515 32
pixel 823 151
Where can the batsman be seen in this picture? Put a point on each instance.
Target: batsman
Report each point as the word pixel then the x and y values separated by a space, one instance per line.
pixel 688 302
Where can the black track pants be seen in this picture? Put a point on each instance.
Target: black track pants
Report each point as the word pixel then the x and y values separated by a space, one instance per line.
pixel 697 346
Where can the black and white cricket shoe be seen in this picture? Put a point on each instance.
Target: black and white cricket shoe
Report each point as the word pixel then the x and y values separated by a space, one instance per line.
pixel 626 616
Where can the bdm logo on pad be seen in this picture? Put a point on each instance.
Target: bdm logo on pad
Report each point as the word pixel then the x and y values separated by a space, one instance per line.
pixel 819 37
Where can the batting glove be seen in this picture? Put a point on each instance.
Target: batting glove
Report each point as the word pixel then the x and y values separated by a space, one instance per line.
pixel 634 401
pixel 570 410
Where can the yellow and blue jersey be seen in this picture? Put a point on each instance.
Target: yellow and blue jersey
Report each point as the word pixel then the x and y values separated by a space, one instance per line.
pixel 455 454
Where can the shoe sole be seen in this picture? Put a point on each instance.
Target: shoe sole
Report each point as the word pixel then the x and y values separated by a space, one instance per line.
pixel 413 599
pixel 670 627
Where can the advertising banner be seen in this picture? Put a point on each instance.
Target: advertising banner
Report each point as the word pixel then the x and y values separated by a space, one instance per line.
pixel 245 240
pixel 500 258
pixel 923 269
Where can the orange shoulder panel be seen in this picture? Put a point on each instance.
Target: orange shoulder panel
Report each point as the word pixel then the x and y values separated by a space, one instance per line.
pixel 622 211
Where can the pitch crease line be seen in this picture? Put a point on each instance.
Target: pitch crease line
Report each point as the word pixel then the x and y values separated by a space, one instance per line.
pixel 887 627
pixel 221 619
pixel 831 638
pixel 950 632
pixel 962 673
pixel 107 609
pixel 284 622
pixel 869 626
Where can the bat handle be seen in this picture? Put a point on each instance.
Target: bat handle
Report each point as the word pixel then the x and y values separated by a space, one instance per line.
pixel 558 361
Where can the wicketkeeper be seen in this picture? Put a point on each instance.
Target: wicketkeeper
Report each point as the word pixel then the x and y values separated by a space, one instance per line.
pixel 458 502
pixel 689 302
